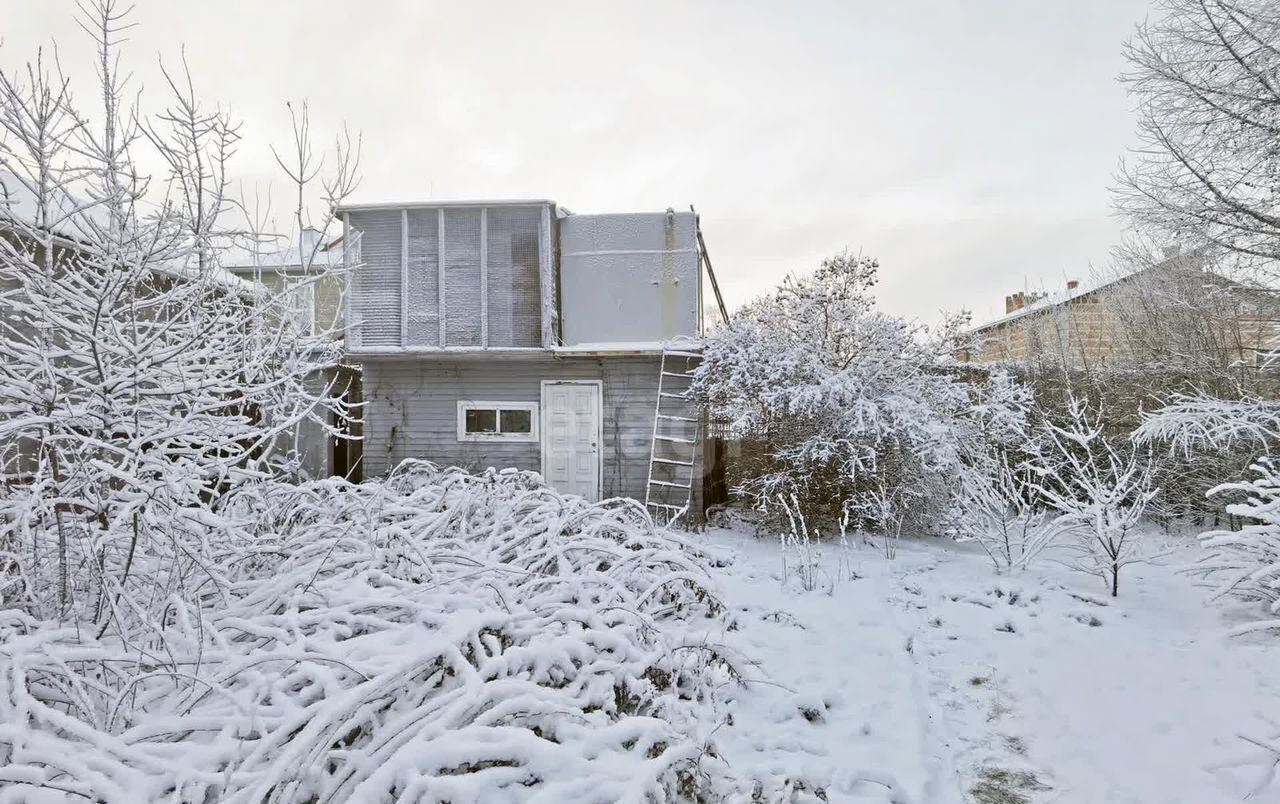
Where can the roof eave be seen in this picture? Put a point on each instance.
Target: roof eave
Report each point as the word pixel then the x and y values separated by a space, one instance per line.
pixel 393 205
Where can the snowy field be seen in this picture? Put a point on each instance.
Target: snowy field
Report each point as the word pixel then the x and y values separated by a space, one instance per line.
pixel 928 679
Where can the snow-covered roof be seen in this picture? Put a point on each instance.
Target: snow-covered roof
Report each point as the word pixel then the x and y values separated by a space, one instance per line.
pixel 1186 260
pixel 524 202
pixel 76 221
pixel 1048 302
pixel 273 256
pixel 73 219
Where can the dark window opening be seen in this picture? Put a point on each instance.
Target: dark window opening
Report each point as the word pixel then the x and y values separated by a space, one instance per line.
pixel 517 421
pixel 482 421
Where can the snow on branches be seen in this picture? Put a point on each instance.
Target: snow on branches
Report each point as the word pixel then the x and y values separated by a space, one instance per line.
pixel 1245 563
pixel 1203 75
pixel 139 381
pixel 852 411
pixel 437 636
pixel 1193 423
pixel 1100 489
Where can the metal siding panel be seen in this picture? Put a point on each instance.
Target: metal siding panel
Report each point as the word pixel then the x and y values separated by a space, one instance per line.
pixel 462 277
pixel 423 281
pixel 514 308
pixel 376 283
pixel 628 278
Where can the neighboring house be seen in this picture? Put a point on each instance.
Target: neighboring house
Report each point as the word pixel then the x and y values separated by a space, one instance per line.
pixel 1172 312
pixel 517 334
pixel 311 275
pixel 62 240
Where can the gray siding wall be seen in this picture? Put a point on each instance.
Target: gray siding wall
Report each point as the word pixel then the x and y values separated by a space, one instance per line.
pixel 411 412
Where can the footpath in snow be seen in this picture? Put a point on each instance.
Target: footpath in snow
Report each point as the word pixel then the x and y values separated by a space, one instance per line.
pixel 928 679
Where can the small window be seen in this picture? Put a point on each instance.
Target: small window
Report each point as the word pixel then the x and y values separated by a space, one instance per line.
pixel 497 421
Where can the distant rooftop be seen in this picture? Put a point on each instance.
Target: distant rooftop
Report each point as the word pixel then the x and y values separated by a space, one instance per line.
pixel 1025 303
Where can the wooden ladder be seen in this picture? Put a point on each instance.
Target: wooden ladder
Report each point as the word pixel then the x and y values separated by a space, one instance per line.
pixel 674 450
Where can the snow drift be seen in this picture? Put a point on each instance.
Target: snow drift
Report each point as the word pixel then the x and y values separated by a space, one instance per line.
pixel 434 636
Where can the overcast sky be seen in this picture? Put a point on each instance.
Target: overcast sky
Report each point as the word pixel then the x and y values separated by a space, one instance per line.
pixel 967 145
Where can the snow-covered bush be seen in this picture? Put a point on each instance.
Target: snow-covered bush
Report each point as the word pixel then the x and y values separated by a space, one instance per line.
pixel 850 411
pixel 1100 489
pixel 1245 563
pixel 437 636
pixel 1002 512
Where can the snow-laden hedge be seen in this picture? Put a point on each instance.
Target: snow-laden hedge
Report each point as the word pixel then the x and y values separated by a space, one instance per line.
pixel 436 636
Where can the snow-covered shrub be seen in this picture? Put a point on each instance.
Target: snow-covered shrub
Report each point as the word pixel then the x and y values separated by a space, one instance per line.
pixel 1002 512
pixel 853 412
pixel 998 506
pixel 1245 563
pixel 437 636
pixel 1100 489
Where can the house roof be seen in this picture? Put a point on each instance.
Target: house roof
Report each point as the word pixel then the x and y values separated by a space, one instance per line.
pixel 74 219
pixel 1049 302
pixel 78 221
pixel 1183 261
pixel 382 205
pixel 243 260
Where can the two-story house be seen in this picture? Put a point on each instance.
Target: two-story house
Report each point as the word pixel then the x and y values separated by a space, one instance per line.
pixel 517 334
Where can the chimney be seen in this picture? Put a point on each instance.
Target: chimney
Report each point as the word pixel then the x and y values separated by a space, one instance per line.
pixel 1014 302
pixel 310 238
pixel 1072 284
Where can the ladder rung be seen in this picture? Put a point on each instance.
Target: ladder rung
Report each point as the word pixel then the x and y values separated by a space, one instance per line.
pixel 673 463
pixel 682 375
pixel 668 507
pixel 669 485
pixel 674 439
pixel 677 418
pixel 673 396
pixel 678 353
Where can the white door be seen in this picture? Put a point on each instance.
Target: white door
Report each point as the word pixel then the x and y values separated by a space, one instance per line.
pixel 571 433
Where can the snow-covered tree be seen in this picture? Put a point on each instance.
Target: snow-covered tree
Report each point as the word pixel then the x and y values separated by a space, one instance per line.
pixel 1100 489
pixel 1204 76
pixel 139 382
pixel 850 411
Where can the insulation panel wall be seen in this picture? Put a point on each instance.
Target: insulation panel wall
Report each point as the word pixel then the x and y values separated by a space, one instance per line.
pixel 454 276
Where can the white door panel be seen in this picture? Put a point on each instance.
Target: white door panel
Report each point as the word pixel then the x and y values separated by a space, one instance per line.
pixel 571 429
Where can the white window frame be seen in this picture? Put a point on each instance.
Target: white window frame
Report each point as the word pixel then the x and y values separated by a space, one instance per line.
pixel 465 405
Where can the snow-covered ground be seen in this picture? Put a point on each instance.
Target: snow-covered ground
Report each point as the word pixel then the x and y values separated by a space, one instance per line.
pixel 928 679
